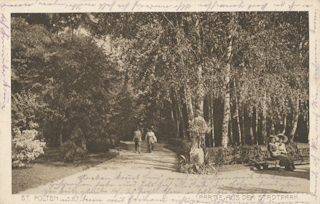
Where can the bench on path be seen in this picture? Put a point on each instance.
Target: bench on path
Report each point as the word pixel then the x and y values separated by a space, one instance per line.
pixel 304 157
pixel 268 160
pixel 304 154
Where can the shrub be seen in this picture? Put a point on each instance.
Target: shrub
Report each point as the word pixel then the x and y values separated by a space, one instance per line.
pixel 25 147
pixel 114 140
pixel 180 146
pixel 222 156
pixel 70 151
pixel 249 154
pixel 241 154
pixel 98 144
pixel 75 147
pixel 187 167
pixel 293 151
pixel 219 156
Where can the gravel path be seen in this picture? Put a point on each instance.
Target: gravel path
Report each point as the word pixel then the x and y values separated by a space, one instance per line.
pixel 155 173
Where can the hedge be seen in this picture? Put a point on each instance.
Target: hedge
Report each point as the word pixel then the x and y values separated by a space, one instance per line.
pixel 234 155
pixel 231 155
pixel 180 146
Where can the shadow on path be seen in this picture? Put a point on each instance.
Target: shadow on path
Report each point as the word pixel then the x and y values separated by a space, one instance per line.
pixel 250 190
pixel 301 171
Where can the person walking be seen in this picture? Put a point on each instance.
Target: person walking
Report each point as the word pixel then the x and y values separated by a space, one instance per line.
pixel 154 138
pixel 137 138
pixel 150 139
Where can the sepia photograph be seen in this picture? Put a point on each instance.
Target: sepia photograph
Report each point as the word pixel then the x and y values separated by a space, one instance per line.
pixel 166 105
pixel 221 94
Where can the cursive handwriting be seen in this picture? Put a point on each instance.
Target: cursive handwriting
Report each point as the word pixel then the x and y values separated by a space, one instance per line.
pixel 4 30
pixel 210 6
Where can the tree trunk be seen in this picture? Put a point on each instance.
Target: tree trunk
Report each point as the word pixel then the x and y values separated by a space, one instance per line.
pixel 60 134
pixel 188 105
pixel 256 126
pixel 294 122
pixel 61 128
pixel 250 125
pixel 207 117
pixel 212 120
pixel 308 128
pixel 264 120
pixel 180 116
pixel 200 90
pixel 284 124
pixel 175 112
pixel 243 126
pixel 172 115
pixel 231 132
pixel 183 128
pixel 272 131
pixel 226 109
pixel 238 122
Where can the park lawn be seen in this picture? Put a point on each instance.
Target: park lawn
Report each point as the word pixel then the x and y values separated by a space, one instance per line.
pixel 49 167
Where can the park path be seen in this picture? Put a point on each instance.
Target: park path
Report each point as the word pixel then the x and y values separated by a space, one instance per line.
pixel 156 173
pixel 160 159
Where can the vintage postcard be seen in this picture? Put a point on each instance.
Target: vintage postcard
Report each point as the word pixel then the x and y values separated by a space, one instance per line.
pixel 187 102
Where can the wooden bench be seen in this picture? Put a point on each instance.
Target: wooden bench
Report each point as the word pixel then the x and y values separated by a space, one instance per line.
pixel 268 160
pixel 304 154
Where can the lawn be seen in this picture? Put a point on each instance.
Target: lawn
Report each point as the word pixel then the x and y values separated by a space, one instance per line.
pixel 50 167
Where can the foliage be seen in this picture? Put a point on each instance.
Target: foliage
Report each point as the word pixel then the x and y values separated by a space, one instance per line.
pixel 293 150
pixel 99 144
pixel 195 168
pixel 88 68
pixel 242 154
pixel 199 125
pixel 180 146
pixel 115 141
pixel 25 147
pixel 219 156
pixel 70 151
pixel 28 111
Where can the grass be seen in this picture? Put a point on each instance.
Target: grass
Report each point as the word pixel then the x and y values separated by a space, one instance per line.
pixel 50 167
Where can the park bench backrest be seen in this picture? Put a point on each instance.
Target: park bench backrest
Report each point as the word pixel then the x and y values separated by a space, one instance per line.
pixel 266 151
pixel 304 150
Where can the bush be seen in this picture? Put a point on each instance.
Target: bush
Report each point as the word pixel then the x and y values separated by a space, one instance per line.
pixel 70 151
pixel 241 154
pixel 114 141
pixel 219 156
pixel 25 147
pixel 234 155
pixel 98 144
pixel 293 151
pixel 187 167
pixel 249 154
pixel 180 146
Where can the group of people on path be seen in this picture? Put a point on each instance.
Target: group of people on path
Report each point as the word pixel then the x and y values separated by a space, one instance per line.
pixel 278 151
pixel 150 138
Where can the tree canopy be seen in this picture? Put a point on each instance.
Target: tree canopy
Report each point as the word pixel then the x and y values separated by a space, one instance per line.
pixel 247 73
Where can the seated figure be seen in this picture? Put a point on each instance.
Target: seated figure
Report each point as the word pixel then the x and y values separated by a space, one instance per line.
pixel 278 151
